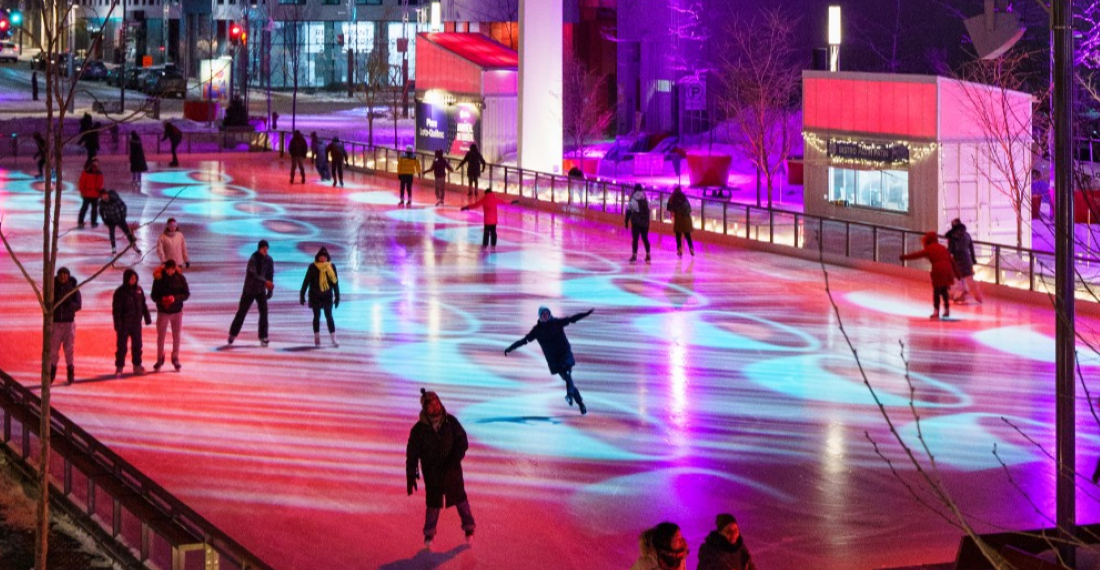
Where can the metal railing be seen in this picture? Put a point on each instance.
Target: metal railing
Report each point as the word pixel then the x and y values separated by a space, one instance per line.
pixel 22 145
pixel 1016 267
pixel 134 517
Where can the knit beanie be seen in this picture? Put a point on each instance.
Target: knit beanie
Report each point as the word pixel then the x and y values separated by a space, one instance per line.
pixel 426 396
pixel 723 520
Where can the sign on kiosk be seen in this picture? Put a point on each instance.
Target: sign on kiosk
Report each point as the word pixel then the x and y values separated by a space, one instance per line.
pixel 451 128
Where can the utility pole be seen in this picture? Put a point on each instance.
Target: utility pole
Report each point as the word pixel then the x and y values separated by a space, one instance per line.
pixel 123 33
pixel 1065 279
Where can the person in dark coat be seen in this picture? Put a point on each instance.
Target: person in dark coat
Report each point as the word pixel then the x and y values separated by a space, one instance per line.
pixel 89 139
pixel 550 334
pixel 298 150
pixel 662 548
pixel 961 248
pixel 174 136
pixel 474 163
pixel 39 152
pixel 323 287
pixel 440 167
pixel 129 310
pixel 137 160
pixel 34 86
pixel 66 303
pixel 437 444
pixel 724 548
pixel 259 286
pixel 320 156
pixel 170 291
pixel 943 271
pixel 113 212
pixel 681 220
pixel 636 217
pixel 338 156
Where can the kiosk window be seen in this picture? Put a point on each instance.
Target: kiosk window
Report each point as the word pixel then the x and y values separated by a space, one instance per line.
pixel 877 189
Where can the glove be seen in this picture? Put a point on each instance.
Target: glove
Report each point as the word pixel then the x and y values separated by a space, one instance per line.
pixel 589 312
pixel 302 300
pixel 269 284
pixel 270 293
pixel 187 265
pixel 336 304
pixel 411 486
pixel 506 351
pixel 148 321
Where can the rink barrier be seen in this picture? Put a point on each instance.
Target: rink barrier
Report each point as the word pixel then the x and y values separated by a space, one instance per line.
pixel 130 517
pixel 1012 267
pixel 205 142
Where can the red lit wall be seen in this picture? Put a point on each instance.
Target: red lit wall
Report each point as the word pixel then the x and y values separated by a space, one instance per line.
pixel 903 109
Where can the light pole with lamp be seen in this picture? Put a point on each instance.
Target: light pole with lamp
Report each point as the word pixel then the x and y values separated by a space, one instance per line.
pixel 834 38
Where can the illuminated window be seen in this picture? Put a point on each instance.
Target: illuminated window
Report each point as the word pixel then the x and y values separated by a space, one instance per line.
pixel 664 86
pixel 877 189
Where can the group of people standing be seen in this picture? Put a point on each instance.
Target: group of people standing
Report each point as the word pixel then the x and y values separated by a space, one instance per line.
pixel 329 160
pixel 949 265
pixel 663 547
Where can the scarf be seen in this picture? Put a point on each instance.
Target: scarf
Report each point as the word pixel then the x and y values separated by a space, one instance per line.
pixel 327 275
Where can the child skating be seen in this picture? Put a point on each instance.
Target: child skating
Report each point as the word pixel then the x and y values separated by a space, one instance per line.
pixel 489 205
pixel 549 331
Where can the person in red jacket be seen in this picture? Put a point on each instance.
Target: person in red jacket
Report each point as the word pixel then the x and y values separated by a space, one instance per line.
pixel 489 204
pixel 90 183
pixel 943 271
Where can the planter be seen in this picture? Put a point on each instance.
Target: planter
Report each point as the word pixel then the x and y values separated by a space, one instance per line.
pixel 711 170
pixel 795 171
pixel 200 111
pixel 589 165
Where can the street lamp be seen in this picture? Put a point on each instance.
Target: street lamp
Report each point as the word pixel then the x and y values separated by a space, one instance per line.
pixel 436 17
pixel 834 38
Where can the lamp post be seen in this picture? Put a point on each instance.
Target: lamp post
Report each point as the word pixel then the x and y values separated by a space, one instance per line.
pixel 834 38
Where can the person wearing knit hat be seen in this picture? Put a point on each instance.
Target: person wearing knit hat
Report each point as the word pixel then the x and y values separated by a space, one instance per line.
pixel 549 331
pixel 437 445
pixel 67 302
pixel 259 286
pixel 324 294
pixel 724 549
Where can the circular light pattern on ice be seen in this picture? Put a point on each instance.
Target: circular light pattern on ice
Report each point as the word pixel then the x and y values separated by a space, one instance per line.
pixel 385 315
pixel 811 377
pixel 423 216
pixel 897 305
pixel 206 192
pixel 614 290
pixel 448 363
pixel 233 209
pixel 280 228
pixel 725 330
pixel 374 198
pixel 1026 342
pixel 965 441
pixel 186 177
pixel 283 252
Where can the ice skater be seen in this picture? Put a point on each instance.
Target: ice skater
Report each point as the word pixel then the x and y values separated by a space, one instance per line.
pixel 259 285
pixel 680 207
pixel 961 247
pixel 550 333
pixel 90 185
pixel 943 272
pixel 137 160
pixel 324 294
pixel 636 217
pixel 170 292
pixel 407 167
pixel 129 309
pixel 474 163
pixel 298 149
pixel 113 212
pixel 438 444
pixel 320 157
pixel 68 302
pixel 440 167
pixel 174 136
pixel 339 157
pixel 489 205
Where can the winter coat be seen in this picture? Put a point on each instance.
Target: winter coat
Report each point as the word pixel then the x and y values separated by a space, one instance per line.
pixel 90 141
pixel 172 245
pixel 90 183
pixel 637 212
pixel 551 337
pixel 647 560
pixel 137 157
pixel 681 213
pixel 40 149
pixel 114 211
pixel 320 156
pixel 943 267
pixel 717 553
pixel 408 165
pixel 439 454
pixel 299 148
pixel 337 153
pixel 489 204
pixel 65 311
pixel 440 166
pixel 961 248
pixel 165 285
pixel 312 285
pixel 172 133
pixel 474 162
pixel 260 270
pixel 128 306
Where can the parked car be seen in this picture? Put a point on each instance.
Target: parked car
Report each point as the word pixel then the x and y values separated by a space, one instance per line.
pixel 93 70
pixel 166 83
pixel 9 52
pixel 61 60
pixel 112 76
pixel 133 77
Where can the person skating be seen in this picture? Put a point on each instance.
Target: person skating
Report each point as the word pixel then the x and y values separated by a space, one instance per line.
pixel 86 126
pixel 549 331
pixel 440 167
pixel 407 167
pixel 174 136
pixel 724 548
pixel 320 156
pixel 90 140
pixel 338 155
pixel 662 548
pixel 961 247
pixel 682 226
pixel 129 310
pixel 39 152
pixel 636 218
pixel 474 163
pixel 34 86
pixel 90 184
pixel 259 286
pixel 137 160
pixel 113 211
pixel 323 288
pixel 298 150
pixel 942 271
pixel 489 205
pixel 437 444
pixel 171 245
pixel 66 303
pixel 170 291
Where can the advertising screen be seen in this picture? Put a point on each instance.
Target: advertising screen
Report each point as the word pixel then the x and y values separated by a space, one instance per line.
pixel 450 128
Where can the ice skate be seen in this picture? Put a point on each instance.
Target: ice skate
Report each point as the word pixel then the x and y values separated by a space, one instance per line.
pixel 427 544
pixel 53 373
pixel 263 342
pixel 934 316
pixel 691 250
pixel 317 339
pixel 569 399
pixel 118 372
pixel 647 260
pixel 584 409
pixel 157 366
pixel 138 370
pixel 70 374
pixel 633 258
pixel 332 337
pixel 230 339
pixel 176 365
pixel 470 539
pixel 679 252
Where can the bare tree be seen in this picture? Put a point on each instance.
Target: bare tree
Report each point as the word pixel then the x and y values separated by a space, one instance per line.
pixel 760 77
pixel 396 81
pixel 585 111
pixel 374 81
pixel 293 41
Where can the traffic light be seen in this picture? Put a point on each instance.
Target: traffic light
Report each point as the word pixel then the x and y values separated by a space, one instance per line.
pixel 236 34
pixel 16 18
pixel 5 25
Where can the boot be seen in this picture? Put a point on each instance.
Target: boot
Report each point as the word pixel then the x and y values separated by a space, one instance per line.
pixel 647 258
pixel 118 372
pixel 333 337
pixel 160 362
pixel 176 364
pixel 316 339
pixel 53 373
pixel 71 374
pixel 679 252
pixel 138 370
pixel 691 249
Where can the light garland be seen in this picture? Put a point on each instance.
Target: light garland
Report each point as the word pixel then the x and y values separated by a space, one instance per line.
pixel 917 151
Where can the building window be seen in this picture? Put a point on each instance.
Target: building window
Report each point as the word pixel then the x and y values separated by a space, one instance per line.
pixel 369 2
pixel 877 189
pixel 331 2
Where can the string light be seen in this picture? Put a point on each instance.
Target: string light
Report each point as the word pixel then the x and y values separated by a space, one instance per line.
pixel 917 151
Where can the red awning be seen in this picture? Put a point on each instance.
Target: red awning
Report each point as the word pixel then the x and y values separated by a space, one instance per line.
pixel 477 49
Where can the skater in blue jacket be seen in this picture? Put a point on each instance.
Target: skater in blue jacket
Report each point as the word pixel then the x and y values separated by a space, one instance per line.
pixel 550 334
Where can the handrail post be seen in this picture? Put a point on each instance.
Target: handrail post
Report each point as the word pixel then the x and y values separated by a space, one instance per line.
pixel 847 239
pixel 748 234
pixel 725 219
pixel 997 264
pixel 874 245
pixel 1031 270
pixel 771 225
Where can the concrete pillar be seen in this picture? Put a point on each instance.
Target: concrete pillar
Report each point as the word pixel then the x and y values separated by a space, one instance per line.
pixel 540 85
